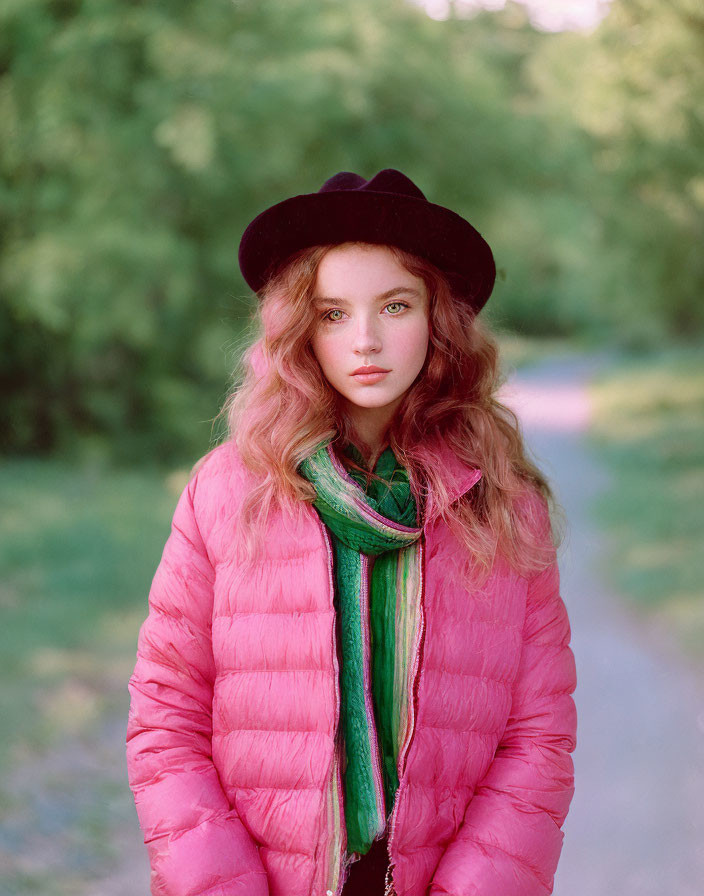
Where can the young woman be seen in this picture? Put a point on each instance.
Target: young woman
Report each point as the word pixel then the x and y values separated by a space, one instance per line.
pixel 355 675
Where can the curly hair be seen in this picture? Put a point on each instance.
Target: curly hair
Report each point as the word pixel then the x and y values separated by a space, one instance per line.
pixel 283 408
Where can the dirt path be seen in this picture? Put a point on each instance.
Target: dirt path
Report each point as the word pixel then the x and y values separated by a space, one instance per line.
pixel 69 827
pixel 636 825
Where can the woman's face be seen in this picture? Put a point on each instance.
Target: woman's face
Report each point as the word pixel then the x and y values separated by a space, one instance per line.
pixel 371 311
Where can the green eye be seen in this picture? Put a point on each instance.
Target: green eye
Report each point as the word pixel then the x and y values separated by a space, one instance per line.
pixel 327 316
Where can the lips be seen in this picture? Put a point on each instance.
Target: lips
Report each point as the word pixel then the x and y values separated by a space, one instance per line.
pixel 371 369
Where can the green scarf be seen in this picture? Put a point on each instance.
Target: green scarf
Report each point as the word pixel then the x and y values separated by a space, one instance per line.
pixel 378 584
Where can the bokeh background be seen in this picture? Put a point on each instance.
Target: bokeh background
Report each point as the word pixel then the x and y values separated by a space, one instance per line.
pixel 137 140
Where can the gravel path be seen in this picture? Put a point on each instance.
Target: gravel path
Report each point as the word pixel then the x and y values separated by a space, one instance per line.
pixel 636 825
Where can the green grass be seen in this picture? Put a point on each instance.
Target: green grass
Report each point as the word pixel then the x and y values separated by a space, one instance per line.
pixel 78 550
pixel 649 430
pixel 79 545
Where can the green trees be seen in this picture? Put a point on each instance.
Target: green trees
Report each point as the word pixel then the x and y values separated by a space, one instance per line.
pixel 137 141
pixel 635 88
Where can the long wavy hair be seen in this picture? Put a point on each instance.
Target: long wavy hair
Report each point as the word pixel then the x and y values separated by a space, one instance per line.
pixel 281 408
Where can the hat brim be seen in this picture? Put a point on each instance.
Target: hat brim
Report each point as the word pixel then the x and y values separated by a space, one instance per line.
pixel 423 228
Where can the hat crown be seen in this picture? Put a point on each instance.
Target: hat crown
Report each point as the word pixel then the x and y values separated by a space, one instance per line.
pixel 387 181
pixel 388 209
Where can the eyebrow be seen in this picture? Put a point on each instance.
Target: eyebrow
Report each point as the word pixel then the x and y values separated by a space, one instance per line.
pixel 397 290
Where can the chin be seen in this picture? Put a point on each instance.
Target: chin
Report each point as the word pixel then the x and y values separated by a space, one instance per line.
pixel 379 401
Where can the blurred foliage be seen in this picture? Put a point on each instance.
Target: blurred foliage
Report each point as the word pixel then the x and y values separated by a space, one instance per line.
pixel 635 87
pixel 649 420
pixel 137 141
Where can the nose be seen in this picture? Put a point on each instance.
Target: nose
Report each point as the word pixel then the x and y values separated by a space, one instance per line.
pixel 366 337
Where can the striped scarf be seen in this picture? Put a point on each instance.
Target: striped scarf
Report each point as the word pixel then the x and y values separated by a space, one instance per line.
pixel 378 582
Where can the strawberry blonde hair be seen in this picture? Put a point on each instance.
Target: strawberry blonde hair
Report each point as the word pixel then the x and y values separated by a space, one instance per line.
pixel 284 407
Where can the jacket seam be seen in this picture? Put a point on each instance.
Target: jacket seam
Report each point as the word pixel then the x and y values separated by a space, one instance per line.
pixel 518 859
pixel 181 619
pixel 219 888
pixel 179 832
pixel 487 622
pixel 257 787
pixel 278 731
pixel 237 613
pixel 191 488
pixel 466 675
pixel 296 852
pixel 225 672
pixel 481 731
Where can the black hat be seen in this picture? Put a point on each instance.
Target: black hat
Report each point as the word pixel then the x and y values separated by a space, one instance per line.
pixel 389 209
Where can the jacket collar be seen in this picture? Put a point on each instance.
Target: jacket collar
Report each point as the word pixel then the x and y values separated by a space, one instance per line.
pixel 459 476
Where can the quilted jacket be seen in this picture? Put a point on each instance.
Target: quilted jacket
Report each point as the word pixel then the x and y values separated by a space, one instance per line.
pixel 232 735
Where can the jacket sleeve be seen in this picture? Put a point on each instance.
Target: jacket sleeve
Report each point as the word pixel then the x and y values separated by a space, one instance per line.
pixel 196 842
pixel 510 839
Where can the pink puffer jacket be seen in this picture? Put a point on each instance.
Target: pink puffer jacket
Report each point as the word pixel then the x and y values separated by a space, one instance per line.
pixel 235 706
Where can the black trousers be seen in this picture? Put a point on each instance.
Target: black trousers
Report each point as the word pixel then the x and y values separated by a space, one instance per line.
pixel 368 874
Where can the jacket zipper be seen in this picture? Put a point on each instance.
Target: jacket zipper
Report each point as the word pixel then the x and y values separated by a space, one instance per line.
pixel 334 886
pixel 418 651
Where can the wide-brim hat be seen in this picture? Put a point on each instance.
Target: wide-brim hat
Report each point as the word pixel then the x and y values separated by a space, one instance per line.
pixel 389 209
